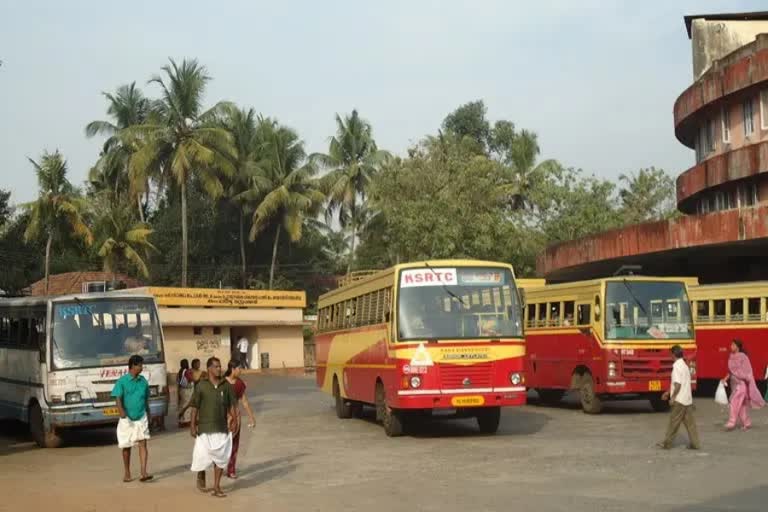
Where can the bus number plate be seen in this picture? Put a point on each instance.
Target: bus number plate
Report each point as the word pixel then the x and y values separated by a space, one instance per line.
pixel 111 411
pixel 467 401
pixel 654 385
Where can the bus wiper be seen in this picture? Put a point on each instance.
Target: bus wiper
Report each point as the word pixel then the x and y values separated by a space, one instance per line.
pixel 449 292
pixel 634 297
pixel 88 309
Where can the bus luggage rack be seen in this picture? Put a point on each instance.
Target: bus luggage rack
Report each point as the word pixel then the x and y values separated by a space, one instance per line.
pixel 356 276
pixel 466 377
pixel 647 367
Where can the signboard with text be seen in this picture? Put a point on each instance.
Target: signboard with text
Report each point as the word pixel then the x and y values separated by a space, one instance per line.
pixel 214 297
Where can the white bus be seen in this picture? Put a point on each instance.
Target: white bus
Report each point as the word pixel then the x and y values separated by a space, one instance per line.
pixel 61 356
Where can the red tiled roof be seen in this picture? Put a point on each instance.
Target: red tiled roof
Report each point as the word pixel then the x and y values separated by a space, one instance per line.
pixel 72 282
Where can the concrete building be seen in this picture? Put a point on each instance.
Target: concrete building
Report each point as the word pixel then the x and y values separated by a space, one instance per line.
pixel 201 323
pixel 723 118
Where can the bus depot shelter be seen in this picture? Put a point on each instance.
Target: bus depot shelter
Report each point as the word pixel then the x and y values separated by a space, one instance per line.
pixel 201 322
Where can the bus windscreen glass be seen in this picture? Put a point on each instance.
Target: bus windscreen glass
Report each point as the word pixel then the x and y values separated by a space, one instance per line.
pixel 457 303
pixel 647 310
pixel 104 332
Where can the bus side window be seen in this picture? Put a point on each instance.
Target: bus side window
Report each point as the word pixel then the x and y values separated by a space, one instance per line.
pixel 554 314
pixel 753 309
pixel 719 310
pixel 5 330
pixel 584 316
pixel 531 314
pixel 568 308
pixel 737 310
pixel 542 315
pixel 702 311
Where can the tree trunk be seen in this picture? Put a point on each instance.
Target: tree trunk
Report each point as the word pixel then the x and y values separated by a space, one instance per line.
pixel 141 208
pixel 48 244
pixel 274 257
pixel 352 244
pixel 184 246
pixel 242 248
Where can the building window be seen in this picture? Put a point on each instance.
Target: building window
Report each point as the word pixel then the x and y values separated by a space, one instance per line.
pixel 709 136
pixel 749 118
pixel 197 331
pixel 725 125
pixel 217 330
pixel 764 109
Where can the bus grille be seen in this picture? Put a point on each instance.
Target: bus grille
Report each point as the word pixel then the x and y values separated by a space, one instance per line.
pixel 478 375
pixel 104 396
pixel 650 366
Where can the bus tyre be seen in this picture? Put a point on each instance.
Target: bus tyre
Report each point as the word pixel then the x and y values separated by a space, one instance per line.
pixel 590 402
pixel 658 404
pixel 550 396
pixel 343 407
pixel 488 419
pixel 43 438
pixel 391 419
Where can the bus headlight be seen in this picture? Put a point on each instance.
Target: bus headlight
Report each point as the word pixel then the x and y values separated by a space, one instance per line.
pixel 154 391
pixel 611 368
pixel 73 397
pixel 515 378
pixel 415 382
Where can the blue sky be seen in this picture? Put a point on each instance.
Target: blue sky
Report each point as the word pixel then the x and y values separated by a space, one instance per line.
pixel 596 80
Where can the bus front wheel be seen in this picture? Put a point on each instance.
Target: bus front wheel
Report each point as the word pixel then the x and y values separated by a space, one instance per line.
pixel 44 438
pixel 488 419
pixel 590 402
pixel 391 419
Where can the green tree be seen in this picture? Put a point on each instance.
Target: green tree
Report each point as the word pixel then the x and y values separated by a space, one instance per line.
pixel 469 121
pixel 352 159
pixel 522 173
pixel 5 208
pixel 127 107
pixel 122 238
pixel 647 195
pixel 181 142
pixel 57 212
pixel 293 193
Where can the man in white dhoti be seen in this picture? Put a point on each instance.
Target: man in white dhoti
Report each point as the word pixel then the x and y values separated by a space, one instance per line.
pixel 214 419
pixel 131 392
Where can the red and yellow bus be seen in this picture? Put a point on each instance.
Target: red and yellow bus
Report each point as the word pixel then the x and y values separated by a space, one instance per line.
pixel 421 337
pixel 607 338
pixel 723 312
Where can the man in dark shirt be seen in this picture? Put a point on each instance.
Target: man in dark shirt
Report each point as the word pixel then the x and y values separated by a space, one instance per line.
pixel 214 419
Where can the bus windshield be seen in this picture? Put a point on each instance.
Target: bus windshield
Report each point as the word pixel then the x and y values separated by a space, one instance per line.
pixel 647 310
pixel 104 332
pixel 457 303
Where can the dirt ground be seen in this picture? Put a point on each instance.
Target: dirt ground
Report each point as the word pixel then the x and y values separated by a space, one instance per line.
pixel 300 457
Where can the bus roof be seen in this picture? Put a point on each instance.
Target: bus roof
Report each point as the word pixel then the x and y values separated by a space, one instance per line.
pixel 597 282
pixel 383 278
pixel 42 299
pixel 730 288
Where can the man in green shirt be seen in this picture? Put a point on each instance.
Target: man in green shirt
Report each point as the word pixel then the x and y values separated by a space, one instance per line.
pixel 214 419
pixel 132 394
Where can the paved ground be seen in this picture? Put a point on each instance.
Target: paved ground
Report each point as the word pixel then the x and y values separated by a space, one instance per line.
pixel 300 457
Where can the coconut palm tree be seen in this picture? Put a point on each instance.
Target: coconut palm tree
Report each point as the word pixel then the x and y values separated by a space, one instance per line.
pixel 523 173
pixel 352 160
pixel 127 107
pixel 249 183
pixel 57 212
pixel 181 142
pixel 293 194
pixel 122 237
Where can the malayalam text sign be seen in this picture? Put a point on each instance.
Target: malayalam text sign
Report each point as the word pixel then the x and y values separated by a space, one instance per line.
pixel 214 297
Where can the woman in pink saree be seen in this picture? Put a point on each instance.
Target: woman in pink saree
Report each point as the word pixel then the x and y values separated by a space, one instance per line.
pixel 744 392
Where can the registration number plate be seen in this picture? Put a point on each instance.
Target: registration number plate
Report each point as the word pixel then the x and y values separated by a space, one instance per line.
pixel 654 385
pixel 467 401
pixel 111 411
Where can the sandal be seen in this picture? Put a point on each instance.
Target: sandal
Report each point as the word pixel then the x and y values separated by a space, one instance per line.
pixel 146 478
pixel 218 494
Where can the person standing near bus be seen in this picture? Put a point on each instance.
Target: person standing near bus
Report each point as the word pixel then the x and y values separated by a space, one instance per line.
pixel 233 377
pixel 132 394
pixel 214 420
pixel 744 392
pixel 681 399
pixel 242 352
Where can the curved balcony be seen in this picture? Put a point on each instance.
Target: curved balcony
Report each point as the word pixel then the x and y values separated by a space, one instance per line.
pixel 739 73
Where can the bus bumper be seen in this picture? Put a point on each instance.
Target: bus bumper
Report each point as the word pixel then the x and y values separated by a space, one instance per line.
pixel 624 386
pixel 88 415
pixel 436 399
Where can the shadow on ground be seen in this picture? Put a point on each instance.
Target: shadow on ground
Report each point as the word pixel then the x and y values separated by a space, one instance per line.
pixel 752 499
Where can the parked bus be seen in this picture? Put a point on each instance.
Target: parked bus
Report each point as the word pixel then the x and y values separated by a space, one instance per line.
pixel 723 312
pixel 442 336
pixel 607 338
pixel 61 356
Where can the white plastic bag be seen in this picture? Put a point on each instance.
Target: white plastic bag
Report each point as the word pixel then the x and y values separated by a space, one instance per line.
pixel 720 395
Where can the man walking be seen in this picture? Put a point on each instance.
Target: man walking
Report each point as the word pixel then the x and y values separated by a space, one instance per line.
pixel 242 352
pixel 681 400
pixel 132 394
pixel 214 419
